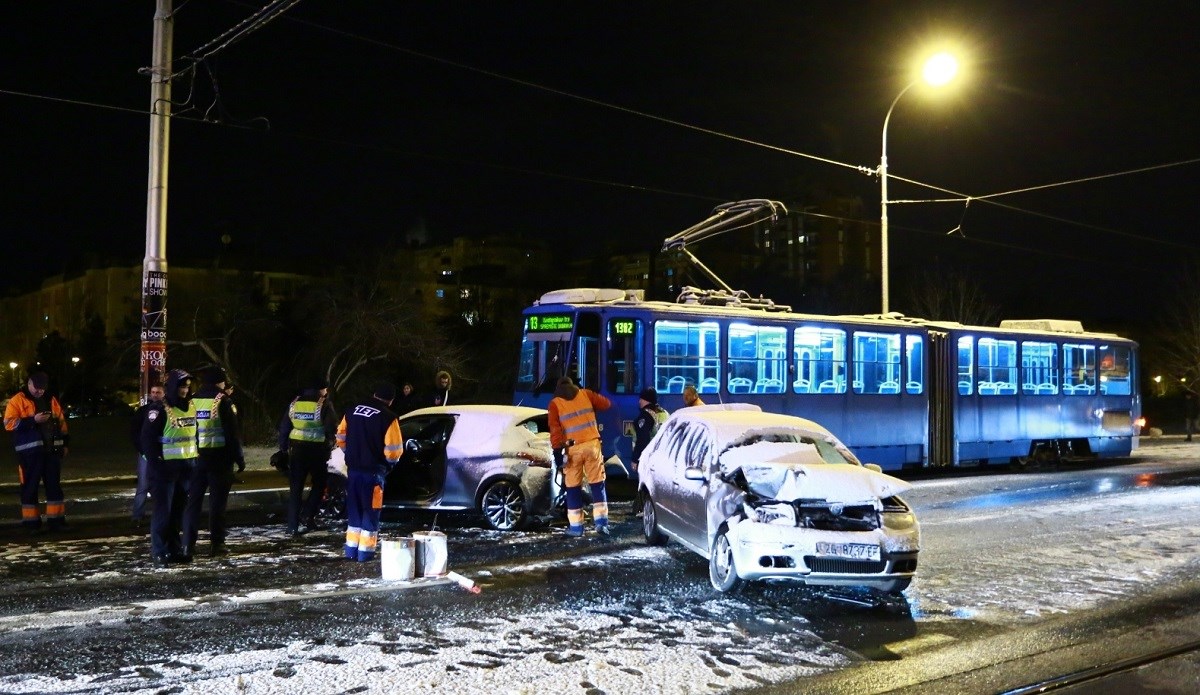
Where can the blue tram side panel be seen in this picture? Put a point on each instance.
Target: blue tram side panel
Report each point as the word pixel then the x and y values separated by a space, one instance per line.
pixel 902 393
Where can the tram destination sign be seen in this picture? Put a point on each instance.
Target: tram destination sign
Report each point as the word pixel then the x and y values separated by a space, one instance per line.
pixel 550 323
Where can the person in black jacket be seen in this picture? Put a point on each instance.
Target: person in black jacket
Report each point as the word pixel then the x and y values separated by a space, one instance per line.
pixel 406 400
pixel 370 436
pixel 143 466
pixel 220 451
pixel 307 432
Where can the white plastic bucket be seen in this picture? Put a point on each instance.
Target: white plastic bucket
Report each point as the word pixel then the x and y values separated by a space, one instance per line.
pixel 398 560
pixel 433 556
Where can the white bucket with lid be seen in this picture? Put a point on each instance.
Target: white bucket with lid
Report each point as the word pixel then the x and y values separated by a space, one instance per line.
pixel 433 557
pixel 397 559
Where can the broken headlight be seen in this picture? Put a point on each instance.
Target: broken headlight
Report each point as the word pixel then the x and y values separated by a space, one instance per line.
pixel 782 513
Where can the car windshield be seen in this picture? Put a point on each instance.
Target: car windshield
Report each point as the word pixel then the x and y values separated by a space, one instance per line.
pixel 785 448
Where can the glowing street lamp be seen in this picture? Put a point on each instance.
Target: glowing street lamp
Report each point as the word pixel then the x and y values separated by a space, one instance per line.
pixel 939 69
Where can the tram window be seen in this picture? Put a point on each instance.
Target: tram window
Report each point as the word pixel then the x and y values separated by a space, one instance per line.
pixel 1114 370
pixel 997 361
pixel 876 362
pixel 820 358
pixel 1039 368
pixel 526 368
pixel 1079 369
pixel 686 353
pixel 540 363
pixel 966 375
pixel 585 360
pixel 757 358
pixel 624 368
pixel 914 350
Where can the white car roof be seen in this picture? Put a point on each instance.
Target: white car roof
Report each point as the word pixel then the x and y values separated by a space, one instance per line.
pixel 730 421
pixel 483 430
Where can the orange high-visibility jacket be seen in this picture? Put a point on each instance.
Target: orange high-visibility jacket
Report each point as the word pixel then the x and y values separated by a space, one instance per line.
pixel 27 434
pixel 575 418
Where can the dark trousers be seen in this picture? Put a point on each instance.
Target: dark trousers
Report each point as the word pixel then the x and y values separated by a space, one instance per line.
pixel 143 489
pixel 38 467
pixel 213 474
pixel 168 486
pixel 305 461
pixel 364 508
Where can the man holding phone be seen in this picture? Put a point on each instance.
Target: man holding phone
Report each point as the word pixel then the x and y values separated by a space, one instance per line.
pixel 40 437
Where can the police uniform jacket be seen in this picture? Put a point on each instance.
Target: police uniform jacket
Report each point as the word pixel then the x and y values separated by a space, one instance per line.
pixel 227 417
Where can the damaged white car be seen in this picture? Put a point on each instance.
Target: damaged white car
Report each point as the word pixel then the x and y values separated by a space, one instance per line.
pixel 775 498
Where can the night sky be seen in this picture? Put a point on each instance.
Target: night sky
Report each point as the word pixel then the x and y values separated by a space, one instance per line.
pixel 586 123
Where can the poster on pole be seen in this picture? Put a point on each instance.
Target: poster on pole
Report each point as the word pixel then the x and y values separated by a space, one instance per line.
pixel 154 328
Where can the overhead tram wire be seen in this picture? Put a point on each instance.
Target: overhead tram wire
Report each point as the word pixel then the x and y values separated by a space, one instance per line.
pixel 554 175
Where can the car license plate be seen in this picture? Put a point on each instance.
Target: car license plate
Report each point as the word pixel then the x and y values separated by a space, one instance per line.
pixel 854 551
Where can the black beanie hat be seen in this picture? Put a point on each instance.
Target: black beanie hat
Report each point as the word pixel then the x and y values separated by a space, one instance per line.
pixel 385 391
pixel 649 395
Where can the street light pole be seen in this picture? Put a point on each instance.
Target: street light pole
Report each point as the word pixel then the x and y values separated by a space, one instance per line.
pixel 883 203
pixel 938 70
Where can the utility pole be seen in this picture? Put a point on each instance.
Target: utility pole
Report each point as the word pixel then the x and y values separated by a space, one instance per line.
pixel 154 266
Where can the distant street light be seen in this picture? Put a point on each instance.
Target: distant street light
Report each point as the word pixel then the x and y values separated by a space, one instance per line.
pixel 939 69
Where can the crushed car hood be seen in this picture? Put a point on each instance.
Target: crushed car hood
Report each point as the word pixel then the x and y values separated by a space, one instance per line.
pixel 789 471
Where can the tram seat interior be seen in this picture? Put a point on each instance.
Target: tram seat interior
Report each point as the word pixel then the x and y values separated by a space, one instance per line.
pixel 709 385
pixel 740 385
pixel 675 384
pixel 768 386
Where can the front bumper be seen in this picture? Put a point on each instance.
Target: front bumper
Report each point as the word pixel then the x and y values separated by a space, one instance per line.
pixel 787 553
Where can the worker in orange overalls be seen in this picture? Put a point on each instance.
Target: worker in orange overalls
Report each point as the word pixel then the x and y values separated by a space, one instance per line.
pixel 573 427
pixel 40 437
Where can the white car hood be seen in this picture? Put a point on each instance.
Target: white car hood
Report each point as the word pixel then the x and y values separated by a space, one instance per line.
pixel 789 471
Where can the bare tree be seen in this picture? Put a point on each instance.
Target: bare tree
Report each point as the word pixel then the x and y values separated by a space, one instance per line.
pixel 950 296
pixel 1177 352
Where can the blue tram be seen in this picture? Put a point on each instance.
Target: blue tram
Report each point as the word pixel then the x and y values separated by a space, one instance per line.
pixel 901 392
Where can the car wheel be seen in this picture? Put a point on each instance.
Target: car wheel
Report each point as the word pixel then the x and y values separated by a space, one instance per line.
pixel 503 505
pixel 654 535
pixel 721 570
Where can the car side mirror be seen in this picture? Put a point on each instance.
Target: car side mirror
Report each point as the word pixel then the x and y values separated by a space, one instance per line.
pixel 873 466
pixel 693 473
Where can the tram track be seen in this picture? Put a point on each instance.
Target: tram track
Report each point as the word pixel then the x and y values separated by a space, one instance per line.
pixel 1105 671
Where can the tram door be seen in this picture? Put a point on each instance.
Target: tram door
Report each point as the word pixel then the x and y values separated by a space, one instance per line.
pixel 585 358
pixel 943 393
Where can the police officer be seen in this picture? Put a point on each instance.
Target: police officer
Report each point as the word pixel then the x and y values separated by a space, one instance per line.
pixel 143 466
pixel 40 437
pixel 572 416
pixel 650 417
pixel 220 450
pixel 370 436
pixel 307 432
pixel 170 441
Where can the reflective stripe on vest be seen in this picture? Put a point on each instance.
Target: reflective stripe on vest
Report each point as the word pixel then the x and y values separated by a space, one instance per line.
pixel 578 417
pixel 208 421
pixel 306 421
pixel 179 433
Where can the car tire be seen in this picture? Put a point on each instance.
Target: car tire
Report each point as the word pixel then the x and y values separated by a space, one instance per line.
pixel 722 572
pixel 503 505
pixel 654 535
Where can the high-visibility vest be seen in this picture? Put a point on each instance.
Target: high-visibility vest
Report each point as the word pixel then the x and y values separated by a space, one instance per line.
pixel 208 421
pixel 578 418
pixel 306 421
pixel 179 433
